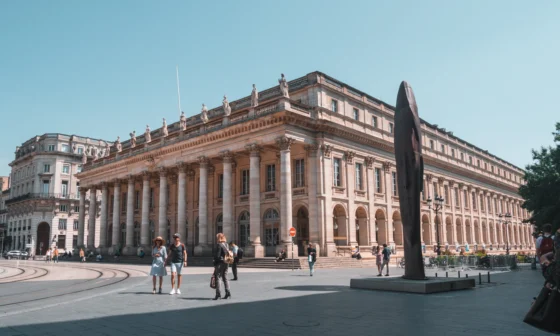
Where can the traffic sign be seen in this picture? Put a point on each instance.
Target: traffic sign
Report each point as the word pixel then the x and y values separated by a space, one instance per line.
pixel 292 232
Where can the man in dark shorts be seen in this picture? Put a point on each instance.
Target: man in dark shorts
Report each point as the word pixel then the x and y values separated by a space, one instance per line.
pixel 178 256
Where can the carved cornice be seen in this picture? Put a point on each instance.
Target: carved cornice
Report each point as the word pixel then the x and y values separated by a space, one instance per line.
pixel 349 156
pixel 203 161
pixel 284 142
pixel 327 150
pixel 387 166
pixel 370 160
pixel 311 150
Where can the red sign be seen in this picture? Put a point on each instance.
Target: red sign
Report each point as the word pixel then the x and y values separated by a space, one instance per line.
pixel 292 232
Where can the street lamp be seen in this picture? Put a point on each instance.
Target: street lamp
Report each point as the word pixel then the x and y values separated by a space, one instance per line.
pixel 505 221
pixel 436 205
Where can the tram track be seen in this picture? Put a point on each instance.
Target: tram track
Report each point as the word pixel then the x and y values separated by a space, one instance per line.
pixel 11 276
pixel 42 272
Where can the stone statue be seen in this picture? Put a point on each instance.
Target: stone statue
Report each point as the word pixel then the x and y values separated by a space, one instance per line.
pixel 254 97
pixel 183 121
pixel 95 153
pixel 410 172
pixel 284 86
pixel 84 158
pixel 148 134
pixel 133 139
pixel 164 131
pixel 204 114
pixel 118 145
pixel 227 108
pixel 107 149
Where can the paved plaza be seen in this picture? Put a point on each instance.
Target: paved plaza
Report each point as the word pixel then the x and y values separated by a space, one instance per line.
pixel 116 299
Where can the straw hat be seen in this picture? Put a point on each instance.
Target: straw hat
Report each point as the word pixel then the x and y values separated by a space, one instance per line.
pixel 159 238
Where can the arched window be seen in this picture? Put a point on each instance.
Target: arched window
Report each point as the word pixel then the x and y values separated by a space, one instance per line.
pixel 244 229
pixel 220 224
pixel 271 214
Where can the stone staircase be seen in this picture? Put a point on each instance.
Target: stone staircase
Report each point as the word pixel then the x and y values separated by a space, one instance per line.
pixel 301 263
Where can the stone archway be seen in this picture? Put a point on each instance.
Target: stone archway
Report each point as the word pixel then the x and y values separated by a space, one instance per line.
pixel 244 229
pixel 362 227
pixel 339 226
pixel 485 238
pixel 469 231
pixel 477 233
pixel 43 234
pixel 449 231
pixel 459 230
pixel 380 227
pixel 426 232
pixel 302 227
pixel 492 227
pixel 397 229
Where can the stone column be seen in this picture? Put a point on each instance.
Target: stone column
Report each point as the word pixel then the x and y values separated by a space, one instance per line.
pixel 311 177
pixel 129 248
pixel 116 214
pixel 162 218
pixel 182 201
pixel 370 176
pixel 443 230
pixel 350 187
pixel 145 225
pixel 389 199
pixel 255 201
pixel 82 218
pixel 284 143
pixel 227 202
pixel 202 248
pixel 92 214
pixel 103 225
pixel 326 197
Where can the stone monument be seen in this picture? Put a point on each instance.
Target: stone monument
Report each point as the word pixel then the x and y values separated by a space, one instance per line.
pixel 118 145
pixel 164 131
pixel 227 108
pixel 183 121
pixel 84 158
pixel 133 139
pixel 204 114
pixel 148 134
pixel 254 97
pixel 284 86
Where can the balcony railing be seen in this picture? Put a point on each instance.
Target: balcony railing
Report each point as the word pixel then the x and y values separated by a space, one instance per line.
pixel 29 196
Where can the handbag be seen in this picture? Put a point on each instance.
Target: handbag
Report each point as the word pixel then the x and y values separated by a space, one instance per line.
pixel 213 282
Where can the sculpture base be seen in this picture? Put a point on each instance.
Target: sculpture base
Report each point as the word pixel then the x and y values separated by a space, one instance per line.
pixel 428 286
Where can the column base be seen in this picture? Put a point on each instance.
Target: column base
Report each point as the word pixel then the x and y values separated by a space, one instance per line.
pixel 330 250
pixel 103 250
pixel 129 250
pixel 257 251
pixel 288 246
pixel 202 251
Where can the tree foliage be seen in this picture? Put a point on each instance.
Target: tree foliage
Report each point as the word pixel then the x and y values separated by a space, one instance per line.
pixel 542 189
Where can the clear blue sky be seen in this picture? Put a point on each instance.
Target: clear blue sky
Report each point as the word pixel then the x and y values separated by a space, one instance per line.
pixel 486 70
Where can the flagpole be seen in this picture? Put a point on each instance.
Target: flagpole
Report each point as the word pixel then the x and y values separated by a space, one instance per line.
pixel 178 91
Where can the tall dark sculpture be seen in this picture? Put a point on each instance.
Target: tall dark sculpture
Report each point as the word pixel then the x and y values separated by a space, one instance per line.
pixel 410 172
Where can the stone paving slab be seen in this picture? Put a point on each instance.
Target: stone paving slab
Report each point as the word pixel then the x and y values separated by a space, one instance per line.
pixel 281 303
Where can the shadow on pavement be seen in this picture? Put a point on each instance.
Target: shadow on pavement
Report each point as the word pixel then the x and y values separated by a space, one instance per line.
pixel 325 288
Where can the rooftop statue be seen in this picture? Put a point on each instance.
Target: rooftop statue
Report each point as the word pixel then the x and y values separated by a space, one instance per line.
pixel 284 86
pixel 183 121
pixel 164 131
pixel 227 108
pixel 133 139
pixel 148 134
pixel 254 97
pixel 204 114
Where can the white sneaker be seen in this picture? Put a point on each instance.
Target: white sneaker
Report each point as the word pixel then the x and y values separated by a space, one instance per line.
pixel 172 292
pixel 178 291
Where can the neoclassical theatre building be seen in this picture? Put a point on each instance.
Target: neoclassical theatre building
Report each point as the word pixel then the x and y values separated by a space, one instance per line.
pixel 314 154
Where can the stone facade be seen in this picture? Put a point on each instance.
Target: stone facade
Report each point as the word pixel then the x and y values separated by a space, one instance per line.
pixel 43 205
pixel 321 161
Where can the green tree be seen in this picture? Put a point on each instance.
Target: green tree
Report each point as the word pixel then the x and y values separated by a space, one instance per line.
pixel 542 189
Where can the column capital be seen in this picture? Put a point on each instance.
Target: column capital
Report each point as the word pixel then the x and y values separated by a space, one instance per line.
pixel 349 155
pixel 203 161
pixel 190 174
pixel 211 170
pixel 83 191
pixel 311 150
pixel 461 186
pixel 429 177
pixel 327 150
pixel 254 149
pixel 441 179
pixel 227 156
pixel 116 182
pixel 370 160
pixel 162 171
pixel 284 142
pixel 387 166
pixel 131 178
pixel 181 167
pixel 146 175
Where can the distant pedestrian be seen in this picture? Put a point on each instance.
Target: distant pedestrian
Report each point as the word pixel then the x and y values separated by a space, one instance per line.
pixel 55 255
pixel 222 259
pixel 386 258
pixel 379 260
pixel 545 243
pixel 235 250
pixel 311 258
pixel 82 255
pixel 178 256
pixel 159 255
pixel 48 256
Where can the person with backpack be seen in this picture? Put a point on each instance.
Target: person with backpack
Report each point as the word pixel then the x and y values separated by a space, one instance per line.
pixel 222 259
pixel 311 258
pixel 237 255
pixel 545 243
pixel 178 256
pixel 386 258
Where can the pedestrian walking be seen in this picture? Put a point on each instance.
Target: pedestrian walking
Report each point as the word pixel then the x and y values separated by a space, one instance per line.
pixel 48 256
pixel 379 260
pixel 311 258
pixel 222 259
pixel 178 256
pixel 235 250
pixel 82 255
pixel 55 255
pixel 386 258
pixel 159 255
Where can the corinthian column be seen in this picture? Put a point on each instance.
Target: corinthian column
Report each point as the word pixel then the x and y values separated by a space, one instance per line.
pixel 92 214
pixel 82 217
pixel 129 249
pixel 202 247
pixel 162 222
pixel 103 224
pixel 145 225
pixel 116 213
pixel 284 143
pixel 312 177
pixel 182 201
pixel 227 197
pixel 255 201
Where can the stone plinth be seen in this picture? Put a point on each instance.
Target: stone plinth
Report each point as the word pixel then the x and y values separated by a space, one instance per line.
pixel 429 286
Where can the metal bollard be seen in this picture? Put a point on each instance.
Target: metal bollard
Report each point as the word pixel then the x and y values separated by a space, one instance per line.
pixel 467 275
pixel 488 277
pixel 436 275
pixel 480 278
pixel 459 274
pixel 446 275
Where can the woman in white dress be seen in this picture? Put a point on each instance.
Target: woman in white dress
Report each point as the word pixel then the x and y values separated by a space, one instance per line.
pixel 159 255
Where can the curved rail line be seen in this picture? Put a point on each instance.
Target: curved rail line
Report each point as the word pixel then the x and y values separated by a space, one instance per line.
pixel 127 275
pixel 34 268
pixel 13 275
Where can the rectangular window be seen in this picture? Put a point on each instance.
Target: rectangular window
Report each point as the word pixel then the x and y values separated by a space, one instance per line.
pixel 46 168
pixel 478 163
pixel 79 169
pixel 431 144
pixel 46 187
pixel 221 186
pixel 378 180
pixel 50 148
pixel 436 191
pixel 151 198
pixel 64 189
pixel 65 148
pixel 462 157
pixel 337 173
pixel 374 122
pixel 76 208
pixel 453 152
pixel 62 224
pixel 391 128
pixel 470 160
pixel 443 149
pixel 300 173
pixel 66 169
pixel 245 182
pixel 63 208
pixel 76 225
pixel 334 105
pixel 474 201
pixel 137 200
pixel 356 114
pixel 80 150
pixel 359 179
pixel 271 177
pixel 394 174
